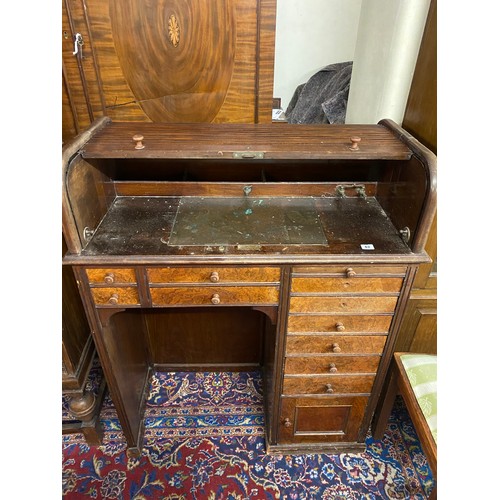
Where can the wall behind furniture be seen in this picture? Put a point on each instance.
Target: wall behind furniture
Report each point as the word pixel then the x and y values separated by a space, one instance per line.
pixel 311 34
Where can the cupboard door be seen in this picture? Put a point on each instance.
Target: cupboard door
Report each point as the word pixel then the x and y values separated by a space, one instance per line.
pixel 179 61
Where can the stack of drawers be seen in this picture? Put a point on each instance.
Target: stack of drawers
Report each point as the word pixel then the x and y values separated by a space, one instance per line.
pixel 177 286
pixel 338 322
pixel 113 287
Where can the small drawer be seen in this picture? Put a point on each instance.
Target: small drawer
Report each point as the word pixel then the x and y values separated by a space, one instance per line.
pixel 227 295
pixel 119 296
pixel 333 305
pixel 338 324
pixel 335 344
pixel 350 271
pixel 316 420
pixel 214 274
pixel 111 276
pixel 328 384
pixel 331 364
pixel 346 285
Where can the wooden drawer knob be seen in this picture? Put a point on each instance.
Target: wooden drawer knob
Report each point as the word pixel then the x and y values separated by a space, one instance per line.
pixel 214 277
pixel 113 299
pixel 339 326
pixel 109 278
pixel 355 143
pixel 215 299
pixel 329 388
pixel 287 422
pixel 138 138
pixel 336 348
pixel 332 368
pixel 350 273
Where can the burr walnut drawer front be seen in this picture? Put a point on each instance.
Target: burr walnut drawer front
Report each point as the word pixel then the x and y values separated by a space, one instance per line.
pixel 118 296
pixel 350 271
pixel 335 344
pixel 328 384
pixel 214 275
pixel 319 419
pixel 346 285
pixel 210 295
pixel 349 305
pixel 111 276
pixel 331 364
pixel 346 324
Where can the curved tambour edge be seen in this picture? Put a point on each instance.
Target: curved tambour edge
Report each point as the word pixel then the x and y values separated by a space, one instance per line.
pixel 223 140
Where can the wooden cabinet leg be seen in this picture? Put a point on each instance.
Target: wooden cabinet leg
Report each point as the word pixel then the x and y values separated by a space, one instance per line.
pixel 380 421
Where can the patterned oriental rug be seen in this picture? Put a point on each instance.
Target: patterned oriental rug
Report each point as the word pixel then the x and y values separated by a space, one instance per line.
pixel 204 439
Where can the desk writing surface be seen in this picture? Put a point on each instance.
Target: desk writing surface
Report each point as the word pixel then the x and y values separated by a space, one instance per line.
pixel 165 225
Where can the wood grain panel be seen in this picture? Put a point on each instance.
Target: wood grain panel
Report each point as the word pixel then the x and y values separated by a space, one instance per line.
pixel 364 305
pixel 345 324
pixel 114 275
pixel 227 295
pixel 334 419
pixel 342 270
pixel 331 364
pixel 345 285
pixel 339 384
pixel 213 274
pixel 124 296
pixel 324 344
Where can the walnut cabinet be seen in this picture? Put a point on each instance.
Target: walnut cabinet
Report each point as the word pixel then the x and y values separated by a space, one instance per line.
pixel 290 250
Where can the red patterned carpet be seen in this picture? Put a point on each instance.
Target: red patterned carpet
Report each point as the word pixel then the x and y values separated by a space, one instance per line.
pixel 205 440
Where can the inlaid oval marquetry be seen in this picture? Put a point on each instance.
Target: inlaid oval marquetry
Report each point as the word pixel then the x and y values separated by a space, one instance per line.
pixel 177 56
pixel 174 31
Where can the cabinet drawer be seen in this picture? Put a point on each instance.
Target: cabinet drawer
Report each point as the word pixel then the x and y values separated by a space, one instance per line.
pixel 115 296
pixel 214 274
pixel 332 305
pixel 314 420
pixel 111 276
pixel 329 384
pixel 331 364
pixel 335 344
pixel 346 285
pixel 351 271
pixel 227 295
pixel 344 324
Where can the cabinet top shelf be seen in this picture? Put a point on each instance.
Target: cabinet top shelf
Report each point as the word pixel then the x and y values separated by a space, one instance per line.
pixel 259 141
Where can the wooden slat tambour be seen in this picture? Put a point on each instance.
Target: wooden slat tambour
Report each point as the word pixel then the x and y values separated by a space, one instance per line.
pixel 221 140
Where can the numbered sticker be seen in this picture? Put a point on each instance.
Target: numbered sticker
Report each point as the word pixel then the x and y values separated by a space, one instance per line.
pixel 367 246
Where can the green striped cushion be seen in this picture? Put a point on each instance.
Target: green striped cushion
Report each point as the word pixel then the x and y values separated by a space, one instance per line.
pixel 422 373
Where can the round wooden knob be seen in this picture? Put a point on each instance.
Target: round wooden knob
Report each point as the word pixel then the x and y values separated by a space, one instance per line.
pixel 336 348
pixel 339 326
pixel 350 273
pixel 138 138
pixel 215 299
pixel 329 388
pixel 113 299
pixel 214 277
pixel 354 143
pixel 109 278
pixel 332 368
pixel 287 422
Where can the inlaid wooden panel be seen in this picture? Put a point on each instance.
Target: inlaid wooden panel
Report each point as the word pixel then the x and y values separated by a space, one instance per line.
pixel 334 305
pixel 342 344
pixel 311 420
pixel 336 384
pixel 109 276
pixel 116 296
pixel 174 60
pixel 331 364
pixel 343 324
pixel 213 274
pixel 227 295
pixel 345 285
